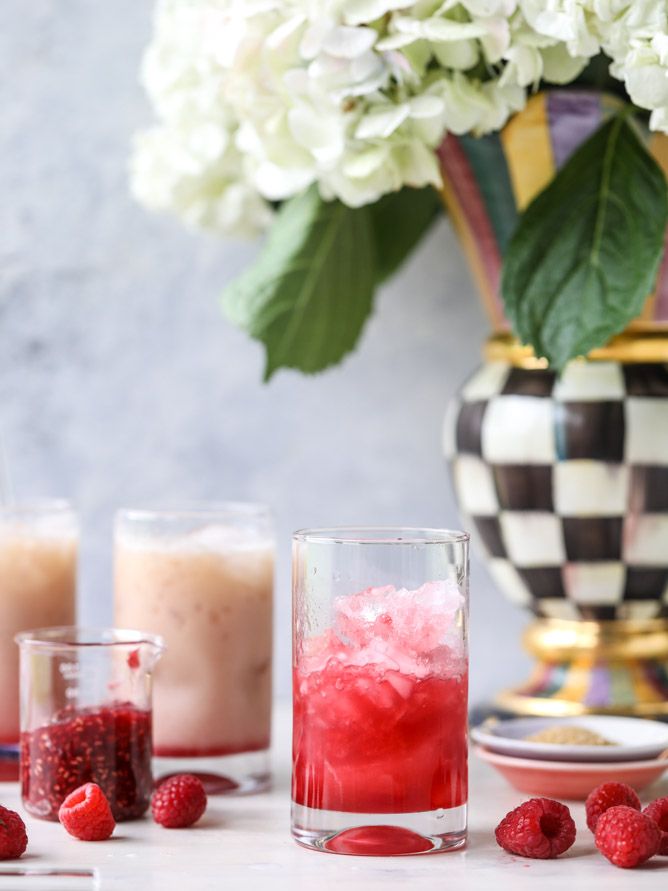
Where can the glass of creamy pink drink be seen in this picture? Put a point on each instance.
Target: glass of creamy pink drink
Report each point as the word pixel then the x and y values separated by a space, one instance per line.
pixel 202 579
pixel 38 570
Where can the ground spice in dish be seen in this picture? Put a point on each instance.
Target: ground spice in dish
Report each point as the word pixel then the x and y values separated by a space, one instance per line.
pixel 569 735
pixel 109 745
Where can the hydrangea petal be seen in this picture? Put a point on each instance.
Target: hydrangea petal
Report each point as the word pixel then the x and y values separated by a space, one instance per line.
pixel 426 106
pixel 559 66
pixel 380 123
pixel 439 30
pixel 357 12
pixel 488 8
pixel 459 55
pixel 348 43
pixel 277 183
pixel 648 85
pixel 316 131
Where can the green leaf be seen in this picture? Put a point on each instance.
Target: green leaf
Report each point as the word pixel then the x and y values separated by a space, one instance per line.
pixel 310 291
pixel 400 220
pixel 585 255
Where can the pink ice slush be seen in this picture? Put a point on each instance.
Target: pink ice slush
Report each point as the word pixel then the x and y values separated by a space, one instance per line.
pixel 410 631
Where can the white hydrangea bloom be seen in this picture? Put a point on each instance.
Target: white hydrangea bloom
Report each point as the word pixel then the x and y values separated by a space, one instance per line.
pixel 198 174
pixel 260 99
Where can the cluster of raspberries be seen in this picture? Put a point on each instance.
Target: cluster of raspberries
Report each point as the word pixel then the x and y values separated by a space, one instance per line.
pixel 86 814
pixel 624 833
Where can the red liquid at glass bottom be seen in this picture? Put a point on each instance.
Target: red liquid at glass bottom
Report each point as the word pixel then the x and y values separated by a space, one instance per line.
pixel 209 752
pixel 241 768
pixel 373 741
pixel 109 745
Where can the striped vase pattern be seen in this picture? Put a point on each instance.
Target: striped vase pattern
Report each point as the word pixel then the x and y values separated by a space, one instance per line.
pixel 488 181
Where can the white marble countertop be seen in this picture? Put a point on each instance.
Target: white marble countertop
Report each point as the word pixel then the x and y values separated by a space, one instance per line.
pixel 245 843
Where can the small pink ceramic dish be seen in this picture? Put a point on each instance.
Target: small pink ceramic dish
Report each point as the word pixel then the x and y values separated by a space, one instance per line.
pixel 632 739
pixel 569 779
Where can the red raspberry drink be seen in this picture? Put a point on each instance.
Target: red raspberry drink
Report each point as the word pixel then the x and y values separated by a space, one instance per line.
pixel 369 740
pixel 380 714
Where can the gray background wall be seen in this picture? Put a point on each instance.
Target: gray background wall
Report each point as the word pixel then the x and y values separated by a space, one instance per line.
pixel 120 382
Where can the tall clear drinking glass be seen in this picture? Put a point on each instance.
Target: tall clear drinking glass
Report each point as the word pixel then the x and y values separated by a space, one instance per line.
pixel 380 677
pixel 202 578
pixel 38 572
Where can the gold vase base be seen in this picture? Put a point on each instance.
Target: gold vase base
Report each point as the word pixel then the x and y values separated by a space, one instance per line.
pixel 587 668
pixel 641 342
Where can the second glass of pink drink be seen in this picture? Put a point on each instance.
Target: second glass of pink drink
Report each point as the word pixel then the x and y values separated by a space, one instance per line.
pixel 203 580
pixel 380 676
pixel 38 572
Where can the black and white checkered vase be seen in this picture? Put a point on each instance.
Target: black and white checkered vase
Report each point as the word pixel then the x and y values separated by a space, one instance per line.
pixel 565 482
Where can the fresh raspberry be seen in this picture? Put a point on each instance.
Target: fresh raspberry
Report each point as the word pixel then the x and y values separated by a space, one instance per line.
pixel 540 828
pixel 178 802
pixel 627 837
pixel 86 814
pixel 606 796
pixel 658 811
pixel 13 836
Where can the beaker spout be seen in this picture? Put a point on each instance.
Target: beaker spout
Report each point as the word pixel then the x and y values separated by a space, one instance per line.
pixel 149 652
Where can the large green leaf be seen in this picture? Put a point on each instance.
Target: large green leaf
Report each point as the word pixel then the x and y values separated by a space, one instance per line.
pixel 400 220
pixel 586 252
pixel 309 293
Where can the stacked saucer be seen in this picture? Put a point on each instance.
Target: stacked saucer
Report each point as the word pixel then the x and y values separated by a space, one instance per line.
pixel 603 748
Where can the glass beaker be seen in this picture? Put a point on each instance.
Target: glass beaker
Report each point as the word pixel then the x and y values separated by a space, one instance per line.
pixel 202 577
pixel 86 717
pixel 38 570
pixel 380 686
